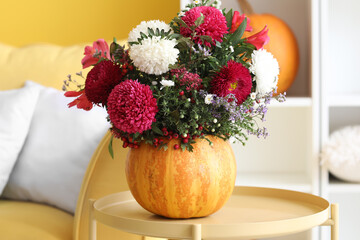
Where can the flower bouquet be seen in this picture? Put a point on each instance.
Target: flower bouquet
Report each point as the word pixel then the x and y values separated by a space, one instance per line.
pixel 175 84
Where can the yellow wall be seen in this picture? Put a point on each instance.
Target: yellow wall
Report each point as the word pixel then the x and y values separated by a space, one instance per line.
pixel 66 22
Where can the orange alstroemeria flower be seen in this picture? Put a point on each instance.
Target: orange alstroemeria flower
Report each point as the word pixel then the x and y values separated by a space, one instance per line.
pixel 237 20
pixel 259 39
pixel 81 102
pixel 100 49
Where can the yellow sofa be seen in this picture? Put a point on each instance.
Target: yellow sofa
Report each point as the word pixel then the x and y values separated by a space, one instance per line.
pixel 49 65
pixel 65 22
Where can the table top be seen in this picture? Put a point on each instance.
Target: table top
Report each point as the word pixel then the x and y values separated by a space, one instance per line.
pixel 251 212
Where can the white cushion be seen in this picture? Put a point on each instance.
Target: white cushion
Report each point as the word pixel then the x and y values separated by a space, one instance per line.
pixel 16 109
pixel 56 153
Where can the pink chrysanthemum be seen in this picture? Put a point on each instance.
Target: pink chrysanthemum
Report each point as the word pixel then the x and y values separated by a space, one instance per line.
pixel 233 78
pixel 214 24
pixel 132 107
pixel 190 80
pixel 101 80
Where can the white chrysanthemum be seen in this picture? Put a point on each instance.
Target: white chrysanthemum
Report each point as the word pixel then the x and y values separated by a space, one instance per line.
pixel 143 27
pixel 266 70
pixel 154 55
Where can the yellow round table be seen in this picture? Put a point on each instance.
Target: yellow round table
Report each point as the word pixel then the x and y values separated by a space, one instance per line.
pixel 250 213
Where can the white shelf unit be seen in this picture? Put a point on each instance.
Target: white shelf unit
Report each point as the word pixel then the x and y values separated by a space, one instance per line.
pixel 340 100
pixel 288 158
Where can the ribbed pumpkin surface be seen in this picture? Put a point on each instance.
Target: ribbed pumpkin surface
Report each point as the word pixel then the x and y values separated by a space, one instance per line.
pixel 182 184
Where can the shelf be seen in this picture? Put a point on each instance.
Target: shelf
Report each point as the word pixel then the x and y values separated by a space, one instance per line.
pixel 344 100
pixel 338 186
pixel 291 181
pixel 293 102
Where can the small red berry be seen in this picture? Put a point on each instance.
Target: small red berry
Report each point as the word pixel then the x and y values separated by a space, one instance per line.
pixel 164 129
pixel 161 141
pixel 131 67
pixel 165 133
pixel 200 128
pixel 125 145
pixel 169 137
pixel 185 140
pixel 202 134
pixel 136 146
pixel 131 145
pixel 175 135
pixel 193 137
pixel 181 93
pixel 155 140
pixel 131 139
pixel 124 139
pixel 176 146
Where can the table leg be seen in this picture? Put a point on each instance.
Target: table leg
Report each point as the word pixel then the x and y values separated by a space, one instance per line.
pixel 335 218
pixel 92 221
pixel 196 232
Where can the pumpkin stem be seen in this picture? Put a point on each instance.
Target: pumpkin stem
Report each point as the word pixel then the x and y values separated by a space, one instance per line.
pixel 246 7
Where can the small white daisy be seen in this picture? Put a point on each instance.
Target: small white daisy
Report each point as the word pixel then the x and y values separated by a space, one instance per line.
pixel 217 4
pixel 166 83
pixel 209 98
pixel 253 96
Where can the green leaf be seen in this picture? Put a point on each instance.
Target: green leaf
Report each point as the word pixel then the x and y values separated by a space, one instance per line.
pixel 164 146
pixel 236 37
pixel 229 17
pixel 174 35
pixel 156 129
pixel 136 135
pixel 199 20
pixel 181 22
pixel 151 32
pixel 218 44
pixel 133 43
pixel 206 38
pixel 143 35
pixel 110 147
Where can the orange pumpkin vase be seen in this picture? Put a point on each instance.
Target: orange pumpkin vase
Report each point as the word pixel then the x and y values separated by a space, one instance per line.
pixel 182 184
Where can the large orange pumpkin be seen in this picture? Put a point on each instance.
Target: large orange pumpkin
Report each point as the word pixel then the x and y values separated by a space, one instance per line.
pixel 182 184
pixel 282 44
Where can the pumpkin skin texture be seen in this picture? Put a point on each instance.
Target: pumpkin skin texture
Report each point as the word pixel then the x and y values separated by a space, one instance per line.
pixel 182 184
pixel 282 45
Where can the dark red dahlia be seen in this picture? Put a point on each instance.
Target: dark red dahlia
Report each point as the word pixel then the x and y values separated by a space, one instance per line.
pixel 233 78
pixel 190 80
pixel 214 24
pixel 132 107
pixel 101 80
